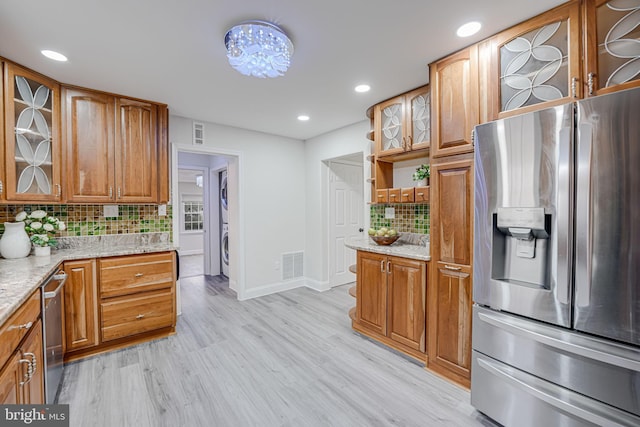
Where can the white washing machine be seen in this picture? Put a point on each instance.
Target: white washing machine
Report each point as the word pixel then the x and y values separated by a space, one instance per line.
pixel 224 209
pixel 224 249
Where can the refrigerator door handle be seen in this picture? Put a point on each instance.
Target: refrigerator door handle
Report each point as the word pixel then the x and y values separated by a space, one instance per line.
pixel 564 215
pixel 583 216
pixel 560 344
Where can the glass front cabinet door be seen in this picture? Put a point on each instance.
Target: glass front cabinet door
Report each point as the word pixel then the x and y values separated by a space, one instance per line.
pixel 32 136
pixel 536 64
pixel 612 51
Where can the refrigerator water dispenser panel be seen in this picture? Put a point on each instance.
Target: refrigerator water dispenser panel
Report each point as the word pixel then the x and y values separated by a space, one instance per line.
pixel 520 246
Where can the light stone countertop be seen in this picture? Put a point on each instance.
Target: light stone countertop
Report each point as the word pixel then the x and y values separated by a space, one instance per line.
pixel 398 248
pixel 20 277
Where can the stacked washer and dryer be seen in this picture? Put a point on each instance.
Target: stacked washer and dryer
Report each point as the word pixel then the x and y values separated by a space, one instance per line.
pixel 224 225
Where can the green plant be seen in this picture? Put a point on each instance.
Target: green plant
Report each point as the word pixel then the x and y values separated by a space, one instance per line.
pixel 40 227
pixel 422 172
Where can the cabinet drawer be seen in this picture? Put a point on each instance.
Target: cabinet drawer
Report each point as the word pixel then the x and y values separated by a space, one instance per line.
pixel 394 195
pixel 131 274
pixel 422 195
pixel 407 195
pixel 382 195
pixel 133 315
pixel 18 325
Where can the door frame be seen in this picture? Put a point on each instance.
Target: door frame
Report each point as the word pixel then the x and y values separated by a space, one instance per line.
pixel 235 166
pixel 344 159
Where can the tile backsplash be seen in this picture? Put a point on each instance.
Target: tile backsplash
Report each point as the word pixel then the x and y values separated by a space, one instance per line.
pixel 87 220
pixel 409 217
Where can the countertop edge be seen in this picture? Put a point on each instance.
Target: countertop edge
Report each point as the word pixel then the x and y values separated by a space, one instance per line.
pixel 404 250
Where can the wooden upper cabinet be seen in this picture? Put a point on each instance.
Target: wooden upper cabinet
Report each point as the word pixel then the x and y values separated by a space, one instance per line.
pixel 115 148
pixel 90 147
pixel 612 40
pixel 403 123
pixel 454 86
pixel 136 153
pixel 32 149
pixel 533 65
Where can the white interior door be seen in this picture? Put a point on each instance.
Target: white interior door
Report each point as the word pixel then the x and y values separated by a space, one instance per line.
pixel 345 218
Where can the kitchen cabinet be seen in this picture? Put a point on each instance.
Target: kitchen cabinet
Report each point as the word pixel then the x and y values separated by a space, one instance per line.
pixel 80 305
pixel 450 293
pixel 117 301
pixel 32 146
pixel 21 355
pixel 611 56
pixel 403 124
pixel 390 301
pixel 455 102
pixel 137 294
pixel 112 148
pixel 533 65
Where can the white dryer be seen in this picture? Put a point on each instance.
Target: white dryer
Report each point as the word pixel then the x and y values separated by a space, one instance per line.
pixel 224 209
pixel 224 250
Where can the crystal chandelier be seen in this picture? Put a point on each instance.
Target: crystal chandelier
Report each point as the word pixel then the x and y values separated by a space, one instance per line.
pixel 259 49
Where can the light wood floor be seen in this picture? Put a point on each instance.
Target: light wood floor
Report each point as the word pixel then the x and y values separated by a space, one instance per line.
pixel 191 265
pixel 289 359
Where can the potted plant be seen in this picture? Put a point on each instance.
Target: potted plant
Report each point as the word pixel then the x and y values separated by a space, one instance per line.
pixel 421 175
pixel 41 229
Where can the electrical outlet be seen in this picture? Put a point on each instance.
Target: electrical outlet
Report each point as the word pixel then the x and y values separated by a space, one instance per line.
pixel 389 213
pixel 162 210
pixel 110 211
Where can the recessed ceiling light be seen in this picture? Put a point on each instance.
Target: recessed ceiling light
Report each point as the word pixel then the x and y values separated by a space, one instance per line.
pixel 303 118
pixel 469 29
pixel 362 88
pixel 53 55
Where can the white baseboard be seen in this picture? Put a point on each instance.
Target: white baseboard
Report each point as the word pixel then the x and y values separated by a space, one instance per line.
pixel 272 288
pixel 317 285
pixel 191 252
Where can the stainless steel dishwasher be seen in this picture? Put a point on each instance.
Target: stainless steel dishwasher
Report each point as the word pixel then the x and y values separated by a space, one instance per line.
pixel 52 313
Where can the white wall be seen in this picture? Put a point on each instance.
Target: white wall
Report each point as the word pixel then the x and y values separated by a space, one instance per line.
pixel 191 242
pixel 348 140
pixel 271 176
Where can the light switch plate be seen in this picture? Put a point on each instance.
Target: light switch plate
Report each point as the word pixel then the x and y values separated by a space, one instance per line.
pixel 162 210
pixel 389 213
pixel 110 211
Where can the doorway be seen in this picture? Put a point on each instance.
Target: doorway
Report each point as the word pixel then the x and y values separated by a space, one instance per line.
pixel 191 216
pixel 346 214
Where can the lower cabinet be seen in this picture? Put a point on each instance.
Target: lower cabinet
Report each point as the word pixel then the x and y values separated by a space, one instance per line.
pixel 22 357
pixel 390 301
pixel 116 301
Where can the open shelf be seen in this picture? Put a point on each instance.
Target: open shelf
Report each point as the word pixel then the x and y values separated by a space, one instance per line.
pixel 352 291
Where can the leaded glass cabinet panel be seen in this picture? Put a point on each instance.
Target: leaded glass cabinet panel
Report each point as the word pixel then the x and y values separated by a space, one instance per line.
pixel 613 46
pixel 32 137
pixel 390 132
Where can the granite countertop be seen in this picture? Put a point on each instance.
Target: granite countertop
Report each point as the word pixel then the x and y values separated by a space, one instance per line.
pixel 20 277
pixel 406 248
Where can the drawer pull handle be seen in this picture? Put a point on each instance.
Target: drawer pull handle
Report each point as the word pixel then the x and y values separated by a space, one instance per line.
pixel 420 194
pixel 139 274
pixel 23 326
pixel 139 316
pixel 448 267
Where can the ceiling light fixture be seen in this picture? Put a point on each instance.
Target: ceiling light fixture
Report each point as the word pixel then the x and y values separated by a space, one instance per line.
pixel 54 55
pixel 303 117
pixel 469 29
pixel 259 49
pixel 362 88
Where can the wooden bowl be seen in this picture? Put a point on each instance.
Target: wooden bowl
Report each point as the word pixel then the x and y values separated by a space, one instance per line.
pixel 385 241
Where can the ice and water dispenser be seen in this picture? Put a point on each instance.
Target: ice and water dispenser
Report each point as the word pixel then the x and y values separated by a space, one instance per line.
pixel 521 246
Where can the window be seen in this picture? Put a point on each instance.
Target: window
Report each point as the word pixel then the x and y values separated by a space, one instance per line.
pixel 193 220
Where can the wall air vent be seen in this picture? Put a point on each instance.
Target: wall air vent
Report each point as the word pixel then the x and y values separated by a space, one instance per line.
pixel 292 265
pixel 198 133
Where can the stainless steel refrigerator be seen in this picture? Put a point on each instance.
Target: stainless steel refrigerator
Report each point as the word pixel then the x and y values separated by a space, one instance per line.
pixel 556 320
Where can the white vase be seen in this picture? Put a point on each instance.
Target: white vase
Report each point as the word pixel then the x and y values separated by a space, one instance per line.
pixel 15 242
pixel 421 183
pixel 42 250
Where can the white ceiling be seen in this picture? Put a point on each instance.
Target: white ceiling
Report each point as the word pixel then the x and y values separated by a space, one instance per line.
pixel 172 51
